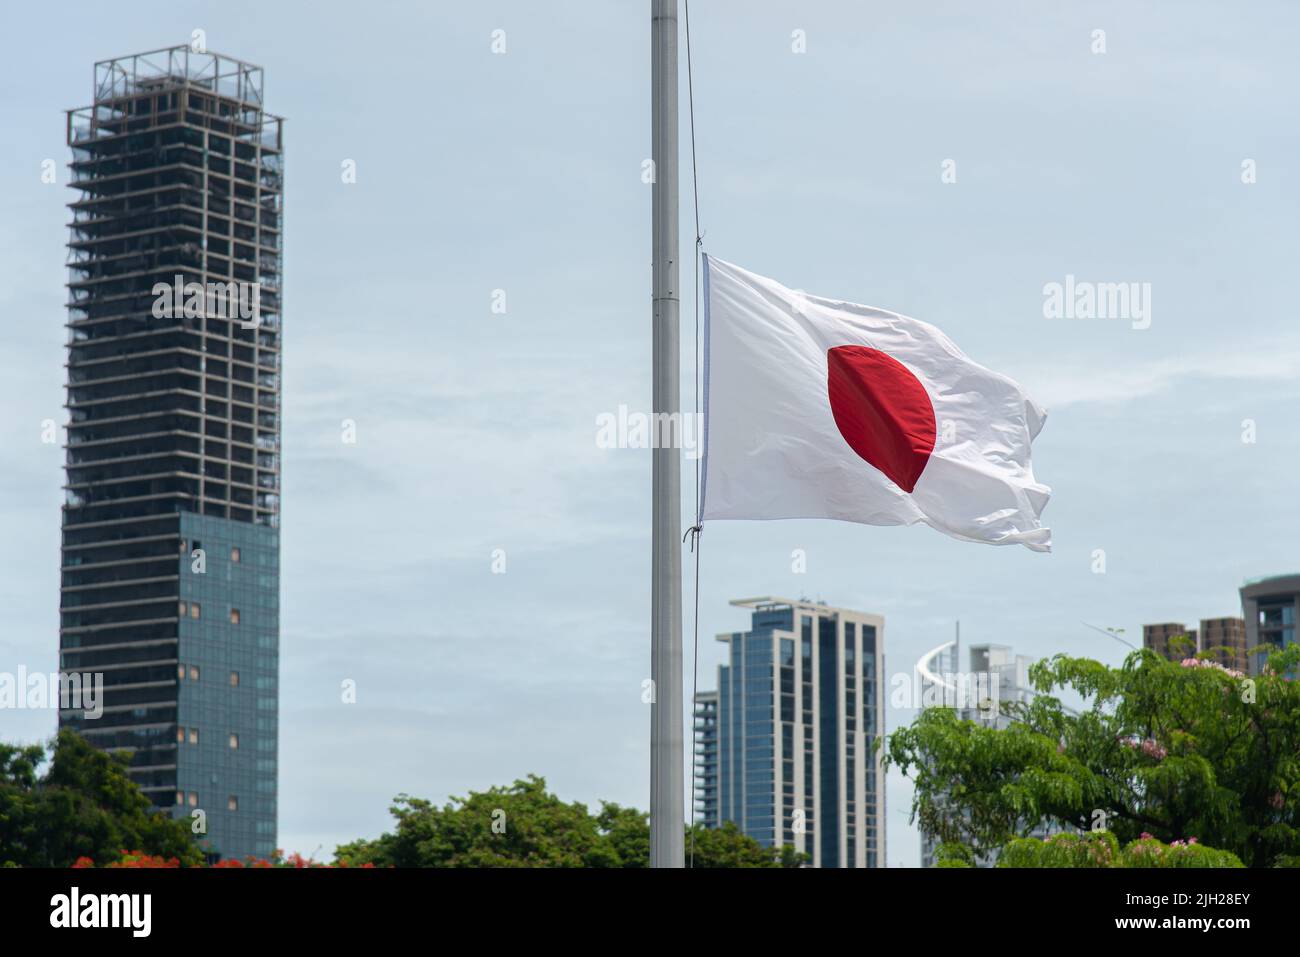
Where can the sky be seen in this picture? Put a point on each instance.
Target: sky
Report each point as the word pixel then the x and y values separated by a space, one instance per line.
pixel 825 132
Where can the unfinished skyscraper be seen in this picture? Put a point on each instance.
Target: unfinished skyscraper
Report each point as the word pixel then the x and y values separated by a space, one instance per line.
pixel 171 549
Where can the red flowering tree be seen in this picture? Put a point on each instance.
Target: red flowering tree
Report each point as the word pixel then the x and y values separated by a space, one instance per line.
pixel 141 859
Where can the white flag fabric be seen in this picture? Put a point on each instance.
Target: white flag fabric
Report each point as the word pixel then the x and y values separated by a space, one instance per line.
pixel 815 408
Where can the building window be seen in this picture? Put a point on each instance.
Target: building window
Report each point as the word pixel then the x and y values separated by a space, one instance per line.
pixel 194 609
pixel 234 742
pixel 194 735
pixel 194 672
pixel 232 803
pixel 194 799
pixel 234 554
pixel 234 679
pixel 183 609
pixel 234 616
pixel 180 797
pixel 180 735
pixel 180 672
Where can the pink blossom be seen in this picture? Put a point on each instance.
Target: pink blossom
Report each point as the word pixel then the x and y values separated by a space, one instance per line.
pixel 1153 749
pixel 1204 663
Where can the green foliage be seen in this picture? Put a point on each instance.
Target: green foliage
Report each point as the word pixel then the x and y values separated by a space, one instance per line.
pixel 85 806
pixel 628 832
pixel 1149 852
pixel 517 826
pixel 1173 750
pixel 1091 849
pixel 789 857
pixel 953 854
pixel 728 846
pixel 1101 849
pixel 524 825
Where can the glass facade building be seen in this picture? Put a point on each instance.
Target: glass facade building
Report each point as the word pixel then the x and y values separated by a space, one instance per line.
pixel 798 712
pixel 706 758
pixel 170 571
pixel 1271 607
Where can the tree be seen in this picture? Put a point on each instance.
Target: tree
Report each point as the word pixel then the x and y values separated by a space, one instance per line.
pixel 85 806
pixel 517 826
pixel 628 832
pixel 524 825
pixel 728 846
pixel 789 857
pixel 278 859
pixel 1101 849
pixel 1164 750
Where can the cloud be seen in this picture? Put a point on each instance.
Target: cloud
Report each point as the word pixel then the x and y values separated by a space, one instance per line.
pixel 1272 361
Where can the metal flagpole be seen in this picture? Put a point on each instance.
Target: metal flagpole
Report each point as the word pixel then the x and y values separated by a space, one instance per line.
pixel 667 819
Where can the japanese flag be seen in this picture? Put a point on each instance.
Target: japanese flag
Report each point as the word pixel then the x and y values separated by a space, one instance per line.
pixel 815 408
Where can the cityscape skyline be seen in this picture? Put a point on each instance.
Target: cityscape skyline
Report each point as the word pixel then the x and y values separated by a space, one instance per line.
pixel 475 429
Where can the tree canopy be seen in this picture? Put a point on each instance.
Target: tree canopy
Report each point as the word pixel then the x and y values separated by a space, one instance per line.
pixel 524 825
pixel 1164 751
pixel 85 806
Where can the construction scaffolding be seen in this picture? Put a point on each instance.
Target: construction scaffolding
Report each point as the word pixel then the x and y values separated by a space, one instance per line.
pixel 174 413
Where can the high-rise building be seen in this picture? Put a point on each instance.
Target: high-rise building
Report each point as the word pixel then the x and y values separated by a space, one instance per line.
pixel 1270 607
pixel 1158 638
pixel 706 758
pixel 1010 671
pixel 1225 639
pixel 799 709
pixel 937 671
pixel 996 677
pixel 171 548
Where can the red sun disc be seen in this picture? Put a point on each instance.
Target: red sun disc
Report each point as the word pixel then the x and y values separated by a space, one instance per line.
pixel 882 410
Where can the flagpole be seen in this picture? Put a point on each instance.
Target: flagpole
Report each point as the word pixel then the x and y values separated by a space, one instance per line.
pixel 667 785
